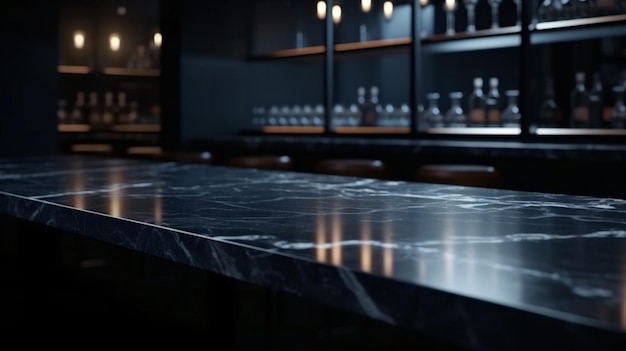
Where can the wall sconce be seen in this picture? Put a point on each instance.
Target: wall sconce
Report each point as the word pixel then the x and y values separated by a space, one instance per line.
pixel 321 9
pixel 388 9
pixel 366 5
pixel 79 39
pixel 157 39
pixel 115 42
pixel 336 13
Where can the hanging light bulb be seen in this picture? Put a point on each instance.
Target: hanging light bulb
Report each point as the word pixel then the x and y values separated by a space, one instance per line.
pixel 423 2
pixel 115 42
pixel 157 39
pixel 336 14
pixel 79 39
pixel 321 9
pixel 388 9
pixel 366 5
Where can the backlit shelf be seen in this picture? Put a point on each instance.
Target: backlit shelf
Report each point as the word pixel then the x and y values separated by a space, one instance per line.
pixel 137 72
pixel 580 132
pixel 70 69
pixel 475 131
pixel 484 39
pixel 293 129
pixel 372 130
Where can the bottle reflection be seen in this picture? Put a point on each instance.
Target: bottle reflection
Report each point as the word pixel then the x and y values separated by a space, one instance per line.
pixel 337 237
pixel 115 179
pixel 320 237
pixel 78 189
pixel 388 249
pixel 366 246
pixel 158 209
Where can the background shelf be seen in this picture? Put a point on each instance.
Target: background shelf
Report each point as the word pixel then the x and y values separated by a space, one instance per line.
pixel 580 132
pixel 579 29
pixel 475 131
pixel 480 40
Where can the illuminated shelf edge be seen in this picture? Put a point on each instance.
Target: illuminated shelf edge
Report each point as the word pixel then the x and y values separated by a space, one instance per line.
pixel 84 128
pixel 479 34
pixel 143 72
pixel 372 130
pixel 579 131
pixel 73 69
pixel 581 22
pixel 475 131
pixel 292 130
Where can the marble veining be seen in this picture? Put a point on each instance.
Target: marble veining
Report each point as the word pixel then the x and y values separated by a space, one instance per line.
pixel 481 267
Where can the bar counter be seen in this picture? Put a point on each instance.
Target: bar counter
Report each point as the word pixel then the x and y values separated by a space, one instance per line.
pixel 485 269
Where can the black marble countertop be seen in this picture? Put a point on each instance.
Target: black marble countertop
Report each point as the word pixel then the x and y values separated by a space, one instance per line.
pixel 488 269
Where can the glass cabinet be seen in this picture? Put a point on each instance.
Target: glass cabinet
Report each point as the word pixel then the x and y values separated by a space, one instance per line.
pixel 441 67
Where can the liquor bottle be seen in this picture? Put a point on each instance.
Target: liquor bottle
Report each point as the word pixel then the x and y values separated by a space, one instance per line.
pixel 62 115
pixel 78 114
pixel 368 107
pixel 567 9
pixel 94 109
pixel 596 103
pixel 318 115
pixel 511 116
pixel 579 100
pixel 549 10
pixel 108 113
pixel 477 105
pixel 122 108
pixel 549 110
pixel 133 113
pixel 431 117
pixel 455 116
pixel 618 115
pixel 493 104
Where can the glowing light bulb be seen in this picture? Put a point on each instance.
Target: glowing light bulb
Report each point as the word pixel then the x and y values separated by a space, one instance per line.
pixel 423 2
pixel 366 5
pixel 79 39
pixel 450 5
pixel 388 9
pixel 336 14
pixel 158 39
pixel 115 42
pixel 321 9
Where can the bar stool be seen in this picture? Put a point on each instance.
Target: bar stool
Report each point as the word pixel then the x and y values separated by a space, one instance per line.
pixel 273 162
pixel 367 168
pixel 460 174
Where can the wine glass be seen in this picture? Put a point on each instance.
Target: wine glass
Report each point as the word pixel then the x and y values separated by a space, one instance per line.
pixel 495 14
pixel 471 15
pixel 450 7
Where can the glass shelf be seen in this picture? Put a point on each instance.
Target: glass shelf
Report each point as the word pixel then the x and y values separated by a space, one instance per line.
pixel 579 29
pixel 475 131
pixel 580 132
pixel 293 130
pixel 110 71
pixel 292 53
pixel 372 130
pixel 120 128
pixel 485 39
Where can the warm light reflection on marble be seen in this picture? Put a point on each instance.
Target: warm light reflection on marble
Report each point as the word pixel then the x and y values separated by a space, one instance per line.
pixel 388 250
pixel 320 237
pixel 78 189
pixel 115 179
pixel 366 246
pixel 337 237
pixel 158 208
pixel 448 250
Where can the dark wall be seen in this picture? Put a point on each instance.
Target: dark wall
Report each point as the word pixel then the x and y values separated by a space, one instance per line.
pixel 28 77
pixel 219 85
